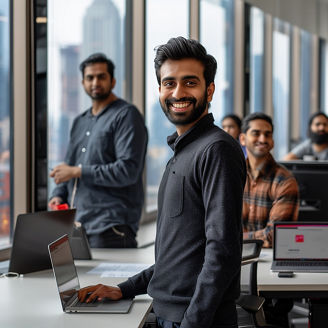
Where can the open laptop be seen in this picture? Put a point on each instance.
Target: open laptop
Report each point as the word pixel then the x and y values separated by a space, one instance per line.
pixel 300 247
pixel 68 283
pixel 34 232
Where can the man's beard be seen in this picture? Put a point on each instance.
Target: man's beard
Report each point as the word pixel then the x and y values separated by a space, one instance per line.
pixel 100 96
pixel 185 118
pixel 318 138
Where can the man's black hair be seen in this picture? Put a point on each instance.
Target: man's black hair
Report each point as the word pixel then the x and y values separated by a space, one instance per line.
pixel 181 48
pixel 312 117
pixel 98 58
pixel 252 117
pixel 234 117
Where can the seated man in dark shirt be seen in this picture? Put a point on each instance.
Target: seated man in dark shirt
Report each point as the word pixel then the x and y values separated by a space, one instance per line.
pixel 316 146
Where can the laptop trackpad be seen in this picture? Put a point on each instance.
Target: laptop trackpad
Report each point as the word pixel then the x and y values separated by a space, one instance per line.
pixel 105 306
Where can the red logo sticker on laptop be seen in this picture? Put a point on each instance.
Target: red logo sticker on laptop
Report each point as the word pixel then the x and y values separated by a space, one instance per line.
pixel 299 238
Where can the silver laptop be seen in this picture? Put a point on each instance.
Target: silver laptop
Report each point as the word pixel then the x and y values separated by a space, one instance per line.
pixel 68 283
pixel 300 247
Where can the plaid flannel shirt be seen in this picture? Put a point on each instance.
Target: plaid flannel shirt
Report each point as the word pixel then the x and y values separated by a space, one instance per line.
pixel 272 196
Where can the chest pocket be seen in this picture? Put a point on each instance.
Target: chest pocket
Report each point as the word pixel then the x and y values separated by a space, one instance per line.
pixel 175 194
pixel 103 144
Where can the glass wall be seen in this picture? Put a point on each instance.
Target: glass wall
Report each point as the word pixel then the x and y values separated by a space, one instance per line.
pixel 323 76
pixel 305 82
pixel 5 121
pixel 162 23
pixel 74 33
pixel 281 86
pixel 217 35
pixel 256 73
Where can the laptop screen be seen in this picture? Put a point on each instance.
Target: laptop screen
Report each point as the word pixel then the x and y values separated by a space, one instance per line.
pixel 64 269
pixel 301 241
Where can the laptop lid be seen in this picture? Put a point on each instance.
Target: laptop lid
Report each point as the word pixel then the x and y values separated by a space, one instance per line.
pixel 300 241
pixel 79 243
pixel 33 233
pixel 68 283
pixel 64 269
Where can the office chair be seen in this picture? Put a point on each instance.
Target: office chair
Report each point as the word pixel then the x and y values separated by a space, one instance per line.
pixel 250 304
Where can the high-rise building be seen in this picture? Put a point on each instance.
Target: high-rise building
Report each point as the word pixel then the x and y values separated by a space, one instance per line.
pixel 102 32
pixel 70 80
pixel 4 65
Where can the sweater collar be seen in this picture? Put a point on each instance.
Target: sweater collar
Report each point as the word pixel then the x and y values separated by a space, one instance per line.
pixel 177 142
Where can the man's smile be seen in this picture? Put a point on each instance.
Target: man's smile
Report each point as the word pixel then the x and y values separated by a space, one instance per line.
pixel 180 107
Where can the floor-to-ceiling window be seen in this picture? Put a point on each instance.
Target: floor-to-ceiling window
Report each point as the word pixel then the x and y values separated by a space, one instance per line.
pixel 323 76
pixel 5 122
pixel 256 66
pixel 164 19
pixel 306 84
pixel 281 86
pixel 76 30
pixel 217 35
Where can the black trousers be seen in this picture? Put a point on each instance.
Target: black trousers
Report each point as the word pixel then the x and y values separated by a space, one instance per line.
pixel 276 311
pixel 120 236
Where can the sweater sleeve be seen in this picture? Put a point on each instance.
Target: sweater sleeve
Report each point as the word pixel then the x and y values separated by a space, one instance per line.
pixel 137 284
pixel 222 172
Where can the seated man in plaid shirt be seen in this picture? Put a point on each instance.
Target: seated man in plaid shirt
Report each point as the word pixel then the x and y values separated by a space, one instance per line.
pixel 270 194
pixel 271 191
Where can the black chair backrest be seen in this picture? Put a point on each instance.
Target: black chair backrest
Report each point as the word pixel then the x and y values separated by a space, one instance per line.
pixel 250 255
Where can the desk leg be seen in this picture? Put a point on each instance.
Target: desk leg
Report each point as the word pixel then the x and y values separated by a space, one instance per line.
pixel 318 309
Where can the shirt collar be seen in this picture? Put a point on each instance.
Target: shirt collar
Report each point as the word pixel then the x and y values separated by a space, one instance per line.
pixel 266 168
pixel 89 114
pixel 177 142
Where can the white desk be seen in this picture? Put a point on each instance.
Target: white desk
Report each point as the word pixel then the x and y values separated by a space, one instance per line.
pixel 301 285
pixel 33 300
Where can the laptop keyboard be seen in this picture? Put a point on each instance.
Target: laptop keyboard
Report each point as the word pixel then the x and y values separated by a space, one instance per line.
pixel 93 303
pixel 83 304
pixel 298 264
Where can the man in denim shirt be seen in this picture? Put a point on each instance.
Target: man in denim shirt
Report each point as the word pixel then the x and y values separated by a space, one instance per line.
pixel 102 173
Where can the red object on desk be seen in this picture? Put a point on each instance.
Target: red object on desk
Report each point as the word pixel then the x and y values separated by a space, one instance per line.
pixel 61 207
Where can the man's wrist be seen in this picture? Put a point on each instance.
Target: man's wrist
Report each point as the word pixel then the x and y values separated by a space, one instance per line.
pixel 77 171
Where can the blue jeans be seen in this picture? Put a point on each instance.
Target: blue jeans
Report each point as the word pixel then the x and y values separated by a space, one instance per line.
pixel 120 236
pixel 167 324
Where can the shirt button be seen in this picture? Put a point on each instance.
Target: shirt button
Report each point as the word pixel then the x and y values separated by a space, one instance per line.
pixel 174 160
pixel 88 133
pixel 83 150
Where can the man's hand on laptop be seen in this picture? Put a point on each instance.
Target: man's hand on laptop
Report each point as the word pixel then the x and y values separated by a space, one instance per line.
pixel 100 291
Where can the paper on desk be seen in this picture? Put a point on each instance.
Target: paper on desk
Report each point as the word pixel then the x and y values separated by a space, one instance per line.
pixel 118 269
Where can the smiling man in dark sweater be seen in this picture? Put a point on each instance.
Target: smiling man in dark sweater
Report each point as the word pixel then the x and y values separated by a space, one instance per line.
pixel 195 279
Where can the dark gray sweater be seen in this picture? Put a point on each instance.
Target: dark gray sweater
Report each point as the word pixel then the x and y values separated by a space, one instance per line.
pixel 198 241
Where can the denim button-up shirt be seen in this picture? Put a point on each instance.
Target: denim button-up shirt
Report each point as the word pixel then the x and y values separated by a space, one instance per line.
pixel 111 149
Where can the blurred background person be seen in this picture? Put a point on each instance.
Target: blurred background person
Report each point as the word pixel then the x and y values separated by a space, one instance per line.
pixel 316 146
pixel 231 124
pixel 102 173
